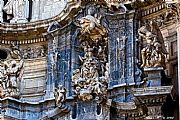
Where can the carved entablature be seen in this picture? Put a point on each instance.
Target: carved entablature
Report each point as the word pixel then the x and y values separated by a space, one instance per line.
pixel 90 80
pixel 164 13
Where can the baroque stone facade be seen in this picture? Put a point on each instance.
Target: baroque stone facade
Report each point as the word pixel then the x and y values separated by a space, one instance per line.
pixel 88 60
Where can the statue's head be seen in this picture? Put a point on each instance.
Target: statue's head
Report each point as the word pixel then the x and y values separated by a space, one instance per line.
pixel 60 86
pixel 91 11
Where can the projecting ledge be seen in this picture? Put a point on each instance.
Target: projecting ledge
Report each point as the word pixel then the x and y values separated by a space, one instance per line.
pixel 26 102
pixel 160 90
pixel 56 111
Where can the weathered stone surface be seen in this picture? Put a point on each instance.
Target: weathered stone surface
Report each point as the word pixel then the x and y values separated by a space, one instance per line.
pixel 83 63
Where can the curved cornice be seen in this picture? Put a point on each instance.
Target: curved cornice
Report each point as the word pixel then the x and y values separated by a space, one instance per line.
pixel 31 30
pixel 41 23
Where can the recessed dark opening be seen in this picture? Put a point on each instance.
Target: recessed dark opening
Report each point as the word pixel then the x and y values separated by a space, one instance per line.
pixel 98 109
pixel 3 54
pixel 74 111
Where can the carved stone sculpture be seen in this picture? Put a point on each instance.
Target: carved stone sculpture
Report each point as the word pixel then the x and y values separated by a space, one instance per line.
pixel 91 28
pixel 153 50
pixel 90 80
pixel 15 51
pixel 18 10
pixel 14 73
pixel 3 78
pixel 60 95
pixel 10 76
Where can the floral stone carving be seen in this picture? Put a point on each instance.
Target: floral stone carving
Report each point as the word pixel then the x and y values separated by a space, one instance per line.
pixel 90 80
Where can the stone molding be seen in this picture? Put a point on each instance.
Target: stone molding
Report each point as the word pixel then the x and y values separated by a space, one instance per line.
pixel 160 90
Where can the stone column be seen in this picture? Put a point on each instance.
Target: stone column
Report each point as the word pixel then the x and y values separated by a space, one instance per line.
pixel 178 47
pixel 1 12
pixel 35 10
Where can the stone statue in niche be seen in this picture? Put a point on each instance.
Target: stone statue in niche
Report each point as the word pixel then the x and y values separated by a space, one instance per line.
pixel 1 10
pixel 60 95
pixel 90 80
pixel 17 10
pixel 11 74
pixel 153 52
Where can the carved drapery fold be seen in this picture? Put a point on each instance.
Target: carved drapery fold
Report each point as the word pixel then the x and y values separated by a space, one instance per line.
pixel 153 51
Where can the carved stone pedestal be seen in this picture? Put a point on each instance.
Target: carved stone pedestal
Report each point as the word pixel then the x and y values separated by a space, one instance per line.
pixel 153 76
pixel 153 98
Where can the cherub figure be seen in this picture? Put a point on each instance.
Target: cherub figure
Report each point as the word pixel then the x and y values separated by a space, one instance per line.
pixel 60 95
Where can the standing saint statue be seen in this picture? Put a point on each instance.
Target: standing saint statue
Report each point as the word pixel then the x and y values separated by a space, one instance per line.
pixel 17 10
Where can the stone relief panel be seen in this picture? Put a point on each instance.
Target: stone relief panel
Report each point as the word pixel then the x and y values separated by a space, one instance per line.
pixel 10 77
pixel 15 51
pixel 36 52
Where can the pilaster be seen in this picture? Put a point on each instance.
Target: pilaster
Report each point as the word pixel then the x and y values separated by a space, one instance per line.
pixel 178 47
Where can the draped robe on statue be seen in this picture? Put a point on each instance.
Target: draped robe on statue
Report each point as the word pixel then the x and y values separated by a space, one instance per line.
pixel 17 9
